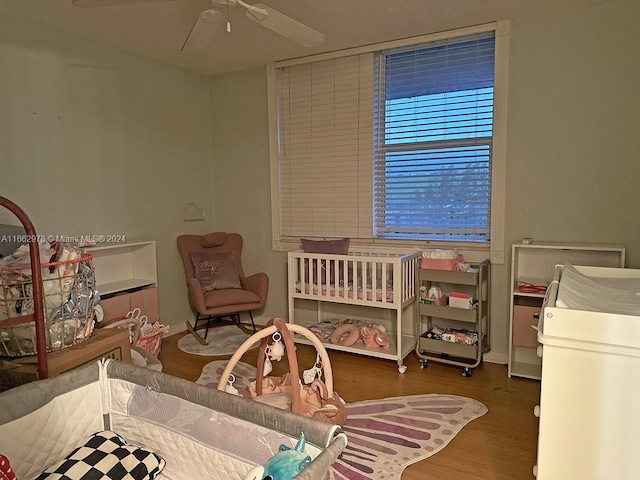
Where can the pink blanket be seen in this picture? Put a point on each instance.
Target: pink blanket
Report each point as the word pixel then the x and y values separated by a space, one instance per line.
pixel 341 292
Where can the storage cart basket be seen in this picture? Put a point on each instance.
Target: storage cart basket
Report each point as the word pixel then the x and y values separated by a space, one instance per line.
pixel 68 299
pixel 150 343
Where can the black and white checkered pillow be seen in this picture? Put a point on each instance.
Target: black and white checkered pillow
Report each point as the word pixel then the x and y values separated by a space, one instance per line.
pixel 106 455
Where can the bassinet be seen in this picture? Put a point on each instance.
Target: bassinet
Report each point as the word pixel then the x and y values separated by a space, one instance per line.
pixel 201 433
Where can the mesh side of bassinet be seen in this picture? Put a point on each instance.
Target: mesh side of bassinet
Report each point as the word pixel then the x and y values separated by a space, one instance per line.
pixel 165 422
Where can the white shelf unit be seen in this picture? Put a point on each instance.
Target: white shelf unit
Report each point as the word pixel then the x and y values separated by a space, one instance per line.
pixel 477 284
pixel 535 264
pixel 124 267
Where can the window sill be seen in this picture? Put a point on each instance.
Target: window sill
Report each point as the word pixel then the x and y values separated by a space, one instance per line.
pixel 471 252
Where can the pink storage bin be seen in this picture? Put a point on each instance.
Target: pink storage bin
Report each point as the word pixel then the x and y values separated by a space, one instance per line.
pixel 441 264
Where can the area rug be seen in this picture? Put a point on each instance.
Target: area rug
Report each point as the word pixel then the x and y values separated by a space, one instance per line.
pixel 384 436
pixel 223 340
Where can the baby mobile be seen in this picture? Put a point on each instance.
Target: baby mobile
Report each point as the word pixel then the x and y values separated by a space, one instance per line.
pixel 274 353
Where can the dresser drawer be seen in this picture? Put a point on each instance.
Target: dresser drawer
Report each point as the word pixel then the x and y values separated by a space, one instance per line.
pixel 523 319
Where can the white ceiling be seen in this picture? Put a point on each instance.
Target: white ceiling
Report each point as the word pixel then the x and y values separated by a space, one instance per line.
pixel 157 29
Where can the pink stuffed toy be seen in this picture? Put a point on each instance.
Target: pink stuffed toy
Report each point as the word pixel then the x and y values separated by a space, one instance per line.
pixel 375 336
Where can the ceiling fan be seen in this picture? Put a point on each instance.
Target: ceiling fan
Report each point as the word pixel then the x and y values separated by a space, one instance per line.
pixel 209 20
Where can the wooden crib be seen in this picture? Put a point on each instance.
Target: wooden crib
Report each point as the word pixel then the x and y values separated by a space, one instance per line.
pixel 382 282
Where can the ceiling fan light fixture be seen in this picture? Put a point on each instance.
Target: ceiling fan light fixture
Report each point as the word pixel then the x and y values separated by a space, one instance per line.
pixel 207 23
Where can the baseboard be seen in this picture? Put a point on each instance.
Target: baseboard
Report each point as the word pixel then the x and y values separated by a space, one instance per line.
pixel 500 358
pixel 496 357
pixel 176 328
pixel 261 320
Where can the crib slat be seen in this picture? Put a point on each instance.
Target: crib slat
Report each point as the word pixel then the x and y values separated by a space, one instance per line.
pixel 364 280
pixel 383 283
pixel 374 280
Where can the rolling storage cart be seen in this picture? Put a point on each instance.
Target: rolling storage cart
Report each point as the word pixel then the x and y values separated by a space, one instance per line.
pixel 449 334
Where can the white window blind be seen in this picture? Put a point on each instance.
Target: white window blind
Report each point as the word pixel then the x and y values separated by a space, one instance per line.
pixel 433 141
pixel 325 151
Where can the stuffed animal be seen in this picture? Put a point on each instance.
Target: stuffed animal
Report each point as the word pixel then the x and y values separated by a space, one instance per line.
pixel 284 465
pixel 275 351
pixel 375 336
pixel 346 334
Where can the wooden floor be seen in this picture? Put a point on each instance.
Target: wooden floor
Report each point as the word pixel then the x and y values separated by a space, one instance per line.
pixel 501 445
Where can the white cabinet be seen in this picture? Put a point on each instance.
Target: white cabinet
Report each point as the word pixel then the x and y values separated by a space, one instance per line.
pixel 532 269
pixel 124 266
pixel 589 423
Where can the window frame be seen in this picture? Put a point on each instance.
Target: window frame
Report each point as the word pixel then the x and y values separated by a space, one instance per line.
pixel 495 249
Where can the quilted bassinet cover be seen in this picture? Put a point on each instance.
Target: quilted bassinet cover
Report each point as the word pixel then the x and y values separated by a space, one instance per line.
pixel 200 433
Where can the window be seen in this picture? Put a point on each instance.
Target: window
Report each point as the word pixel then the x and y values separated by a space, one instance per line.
pixel 401 143
pixel 434 114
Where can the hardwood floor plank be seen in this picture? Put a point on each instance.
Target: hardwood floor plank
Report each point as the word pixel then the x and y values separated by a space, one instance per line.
pixel 500 445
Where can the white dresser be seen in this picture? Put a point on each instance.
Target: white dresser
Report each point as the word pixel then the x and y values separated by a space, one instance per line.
pixel 590 393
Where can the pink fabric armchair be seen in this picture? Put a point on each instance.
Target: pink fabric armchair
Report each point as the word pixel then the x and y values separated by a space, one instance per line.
pixel 213 302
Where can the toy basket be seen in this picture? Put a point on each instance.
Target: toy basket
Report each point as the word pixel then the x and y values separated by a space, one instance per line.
pixel 436 259
pixel 68 300
pixel 150 343
pixel 142 333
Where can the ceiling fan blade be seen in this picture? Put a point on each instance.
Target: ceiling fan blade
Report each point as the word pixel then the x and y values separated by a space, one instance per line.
pixel 109 3
pixel 285 26
pixel 202 30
